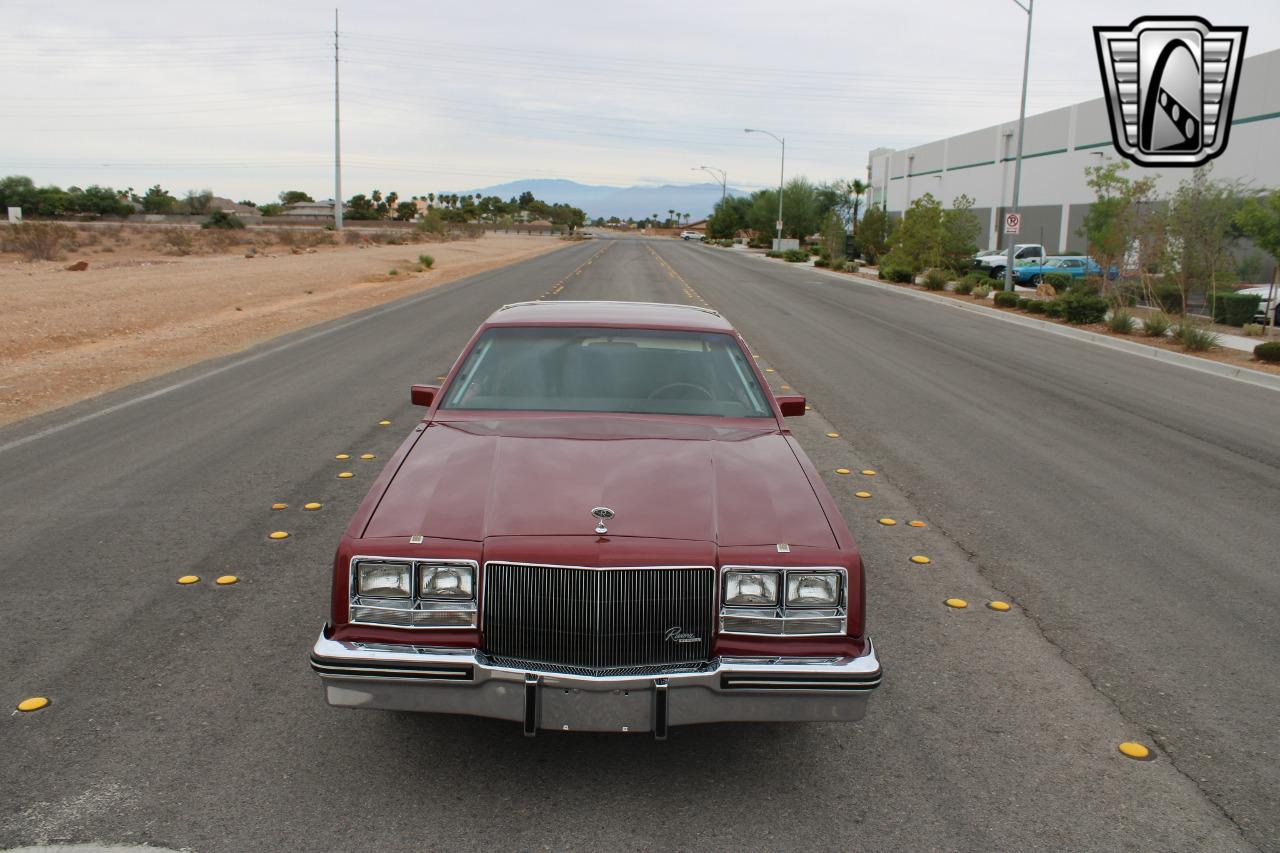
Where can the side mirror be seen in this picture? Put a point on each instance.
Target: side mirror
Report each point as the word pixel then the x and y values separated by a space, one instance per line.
pixel 422 395
pixel 792 405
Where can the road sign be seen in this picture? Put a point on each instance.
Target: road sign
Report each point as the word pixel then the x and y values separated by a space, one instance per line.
pixel 1012 223
pixel 779 226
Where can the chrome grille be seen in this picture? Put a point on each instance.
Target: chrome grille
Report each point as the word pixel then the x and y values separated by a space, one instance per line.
pixel 597 619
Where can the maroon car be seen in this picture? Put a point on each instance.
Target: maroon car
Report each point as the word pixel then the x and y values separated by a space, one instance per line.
pixel 602 523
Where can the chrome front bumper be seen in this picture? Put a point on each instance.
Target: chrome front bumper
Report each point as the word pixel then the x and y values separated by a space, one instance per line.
pixel 464 681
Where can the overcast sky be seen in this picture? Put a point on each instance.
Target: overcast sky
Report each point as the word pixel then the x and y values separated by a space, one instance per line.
pixel 238 96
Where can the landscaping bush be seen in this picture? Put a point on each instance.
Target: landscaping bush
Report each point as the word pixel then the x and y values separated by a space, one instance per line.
pixel 1249 330
pixel 1035 306
pixel 1121 322
pixel 773 253
pixel 222 219
pixel 795 256
pixel 1194 338
pixel 1270 351
pixel 427 261
pixel 935 279
pixel 1052 309
pixel 1081 308
pixel 1156 325
pixel 1167 297
pixel 964 286
pixel 1022 303
pixel 982 291
pixel 821 262
pixel 1124 294
pixel 1060 281
pixel 1235 309
pixel 1006 299
pixel 897 275
pixel 36 241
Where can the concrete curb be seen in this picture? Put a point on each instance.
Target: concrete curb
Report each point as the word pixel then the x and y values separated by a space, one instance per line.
pixel 1256 378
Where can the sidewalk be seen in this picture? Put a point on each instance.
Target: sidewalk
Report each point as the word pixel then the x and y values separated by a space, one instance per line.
pixel 1136 347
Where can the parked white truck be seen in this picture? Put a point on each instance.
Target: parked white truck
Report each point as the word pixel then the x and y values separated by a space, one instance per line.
pixel 993 261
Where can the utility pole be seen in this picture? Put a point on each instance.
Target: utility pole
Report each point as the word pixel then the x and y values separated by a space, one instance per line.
pixel 1017 163
pixel 337 134
pixel 721 176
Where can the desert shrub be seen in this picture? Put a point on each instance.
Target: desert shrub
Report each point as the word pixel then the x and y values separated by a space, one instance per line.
pixel 222 239
pixel 1052 309
pixel 1167 297
pixel 303 237
pixel 1270 351
pixel 821 262
pixel 1081 308
pixel 896 274
pixel 795 256
pixel 1060 281
pixel 1252 330
pixel 1156 325
pixel 177 241
pixel 982 291
pixel 1124 294
pixel 964 286
pixel 852 266
pixel 393 271
pixel 977 277
pixel 1235 309
pixel 773 253
pixel 1121 322
pixel 37 241
pixel 222 219
pixel 1006 299
pixel 935 279
pixel 427 261
pixel 1036 306
pixel 1194 338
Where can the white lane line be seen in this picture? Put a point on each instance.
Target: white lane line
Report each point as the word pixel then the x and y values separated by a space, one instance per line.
pixel 160 392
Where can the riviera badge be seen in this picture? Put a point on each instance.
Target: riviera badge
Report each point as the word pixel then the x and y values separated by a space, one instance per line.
pixel 1170 84
pixel 603 513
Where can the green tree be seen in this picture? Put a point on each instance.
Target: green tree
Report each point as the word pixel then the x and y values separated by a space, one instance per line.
pixel 360 207
pixel 918 238
pixel 294 197
pixel 1200 224
pixel 1259 220
pixel 958 240
pixel 875 233
pixel 406 210
pixel 856 188
pixel 157 200
pixel 18 191
pixel 729 216
pixel 1113 222
pixel 271 209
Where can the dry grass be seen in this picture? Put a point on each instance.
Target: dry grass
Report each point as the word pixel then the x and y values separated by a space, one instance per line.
pixel 37 241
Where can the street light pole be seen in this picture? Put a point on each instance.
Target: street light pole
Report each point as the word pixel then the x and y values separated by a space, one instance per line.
pixel 722 178
pixel 782 169
pixel 1022 120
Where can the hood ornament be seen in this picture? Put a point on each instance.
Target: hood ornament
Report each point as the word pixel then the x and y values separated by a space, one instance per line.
pixel 603 513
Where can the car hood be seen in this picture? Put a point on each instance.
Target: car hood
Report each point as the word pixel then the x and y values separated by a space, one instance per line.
pixel 540 477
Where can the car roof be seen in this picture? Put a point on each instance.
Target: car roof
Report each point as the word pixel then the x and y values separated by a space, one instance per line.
pixel 640 315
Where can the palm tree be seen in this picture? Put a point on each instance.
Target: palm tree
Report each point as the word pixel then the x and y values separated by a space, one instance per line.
pixel 856 189
pixel 431 199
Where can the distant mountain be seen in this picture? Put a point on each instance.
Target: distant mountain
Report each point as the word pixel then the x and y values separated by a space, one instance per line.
pixel 697 200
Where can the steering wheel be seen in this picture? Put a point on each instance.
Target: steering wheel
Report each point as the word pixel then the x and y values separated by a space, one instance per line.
pixel 699 388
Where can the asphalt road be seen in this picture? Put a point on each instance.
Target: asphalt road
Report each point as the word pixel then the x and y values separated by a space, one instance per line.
pixel 1126 509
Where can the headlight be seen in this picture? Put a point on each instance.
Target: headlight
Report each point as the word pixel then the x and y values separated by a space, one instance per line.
pixel 813 589
pixel 746 588
pixel 383 579
pixel 447 582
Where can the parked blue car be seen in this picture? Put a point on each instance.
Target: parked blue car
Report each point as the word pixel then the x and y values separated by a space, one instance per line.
pixel 1076 266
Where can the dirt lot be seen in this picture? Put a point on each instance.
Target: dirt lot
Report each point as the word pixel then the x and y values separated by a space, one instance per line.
pixel 143 308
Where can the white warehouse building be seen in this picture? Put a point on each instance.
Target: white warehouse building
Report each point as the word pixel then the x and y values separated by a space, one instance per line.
pixel 1059 145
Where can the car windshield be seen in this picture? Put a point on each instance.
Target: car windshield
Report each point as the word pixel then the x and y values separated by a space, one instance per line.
pixel 572 369
pixel 1055 262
